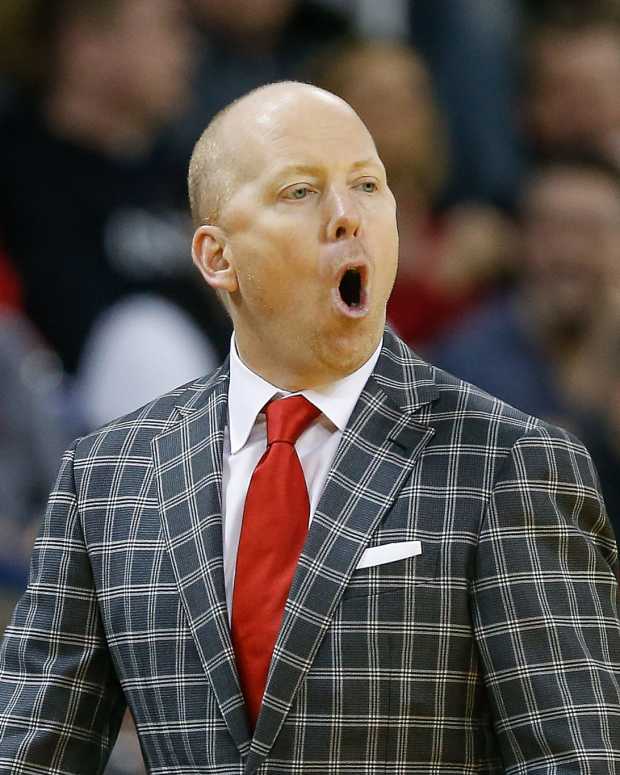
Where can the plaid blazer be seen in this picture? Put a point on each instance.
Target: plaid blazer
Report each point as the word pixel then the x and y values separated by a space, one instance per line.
pixel 497 649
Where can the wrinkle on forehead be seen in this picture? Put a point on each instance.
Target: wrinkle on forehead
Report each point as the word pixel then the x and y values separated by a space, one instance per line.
pixel 268 128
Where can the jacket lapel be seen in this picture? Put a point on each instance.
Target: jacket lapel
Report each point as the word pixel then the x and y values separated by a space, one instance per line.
pixel 188 470
pixel 377 452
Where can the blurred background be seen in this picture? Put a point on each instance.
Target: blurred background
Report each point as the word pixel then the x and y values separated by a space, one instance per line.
pixel 498 122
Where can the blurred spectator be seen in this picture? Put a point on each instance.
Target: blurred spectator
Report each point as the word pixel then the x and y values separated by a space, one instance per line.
pixel 32 436
pixel 448 261
pixel 572 83
pixel 246 43
pixel 536 349
pixel 571 241
pixel 471 52
pixel 33 433
pixel 91 207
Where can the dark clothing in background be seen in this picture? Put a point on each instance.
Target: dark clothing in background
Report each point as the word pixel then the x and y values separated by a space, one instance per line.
pixel 83 230
pixel 491 349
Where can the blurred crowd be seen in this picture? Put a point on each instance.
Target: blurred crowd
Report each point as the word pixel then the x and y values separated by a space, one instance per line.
pixel 499 125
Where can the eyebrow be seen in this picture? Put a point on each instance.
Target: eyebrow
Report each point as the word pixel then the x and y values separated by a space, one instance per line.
pixel 370 162
pixel 316 169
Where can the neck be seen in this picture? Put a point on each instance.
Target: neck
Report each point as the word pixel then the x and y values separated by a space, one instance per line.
pixel 294 375
pixel 292 380
pixel 85 117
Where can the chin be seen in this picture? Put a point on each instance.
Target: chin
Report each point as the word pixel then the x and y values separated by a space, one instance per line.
pixel 343 351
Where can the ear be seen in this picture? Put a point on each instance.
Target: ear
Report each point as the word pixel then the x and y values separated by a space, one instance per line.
pixel 210 254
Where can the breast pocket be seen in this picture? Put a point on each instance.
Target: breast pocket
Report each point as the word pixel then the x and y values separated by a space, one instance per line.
pixel 384 576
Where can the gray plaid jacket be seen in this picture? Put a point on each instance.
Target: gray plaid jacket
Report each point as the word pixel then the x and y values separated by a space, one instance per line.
pixel 497 649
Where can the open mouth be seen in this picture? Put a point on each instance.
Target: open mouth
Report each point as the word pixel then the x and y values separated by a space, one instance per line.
pixel 351 293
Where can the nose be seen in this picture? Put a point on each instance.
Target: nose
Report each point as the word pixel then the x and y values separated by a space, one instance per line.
pixel 342 217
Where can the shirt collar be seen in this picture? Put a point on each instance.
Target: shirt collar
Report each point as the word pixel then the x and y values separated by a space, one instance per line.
pixel 248 393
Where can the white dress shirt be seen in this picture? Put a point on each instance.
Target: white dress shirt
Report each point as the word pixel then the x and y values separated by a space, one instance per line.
pixel 245 441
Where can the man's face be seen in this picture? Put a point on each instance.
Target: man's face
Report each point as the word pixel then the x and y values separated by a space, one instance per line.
pixel 572 242
pixel 311 234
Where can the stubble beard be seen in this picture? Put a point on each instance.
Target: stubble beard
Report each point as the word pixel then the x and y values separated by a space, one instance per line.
pixel 341 352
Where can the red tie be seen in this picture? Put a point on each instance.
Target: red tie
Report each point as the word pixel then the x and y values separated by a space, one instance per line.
pixel 275 523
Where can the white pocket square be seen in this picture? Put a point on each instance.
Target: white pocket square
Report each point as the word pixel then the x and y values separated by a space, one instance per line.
pixel 378 555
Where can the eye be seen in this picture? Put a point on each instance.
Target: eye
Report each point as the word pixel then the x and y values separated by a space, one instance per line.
pixel 298 192
pixel 368 186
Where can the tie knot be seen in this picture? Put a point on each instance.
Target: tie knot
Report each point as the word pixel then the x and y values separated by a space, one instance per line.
pixel 288 418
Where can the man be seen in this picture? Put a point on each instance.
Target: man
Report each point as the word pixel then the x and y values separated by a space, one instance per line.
pixel 453 604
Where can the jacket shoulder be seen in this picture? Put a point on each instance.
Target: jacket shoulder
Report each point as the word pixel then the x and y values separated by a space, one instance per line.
pixel 488 418
pixel 460 411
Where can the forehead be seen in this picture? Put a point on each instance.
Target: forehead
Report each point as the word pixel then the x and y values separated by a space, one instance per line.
pixel 320 132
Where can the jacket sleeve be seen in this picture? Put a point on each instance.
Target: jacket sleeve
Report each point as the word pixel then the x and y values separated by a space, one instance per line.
pixel 545 611
pixel 60 701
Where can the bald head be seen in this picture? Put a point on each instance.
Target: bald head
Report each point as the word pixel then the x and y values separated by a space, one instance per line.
pixel 217 166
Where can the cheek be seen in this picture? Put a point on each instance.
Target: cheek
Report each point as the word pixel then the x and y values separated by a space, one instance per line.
pixel 269 282
pixel 385 250
pixel 251 268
